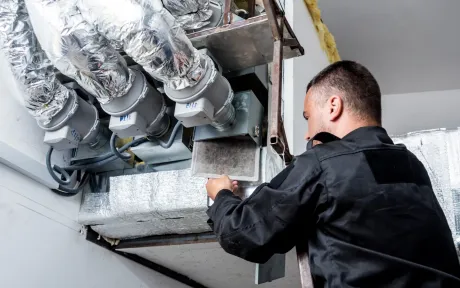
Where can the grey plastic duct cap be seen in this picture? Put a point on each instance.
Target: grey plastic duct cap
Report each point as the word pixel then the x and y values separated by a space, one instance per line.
pixel 147 103
pixel 78 114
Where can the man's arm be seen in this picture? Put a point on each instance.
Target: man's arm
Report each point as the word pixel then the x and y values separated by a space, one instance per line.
pixel 272 219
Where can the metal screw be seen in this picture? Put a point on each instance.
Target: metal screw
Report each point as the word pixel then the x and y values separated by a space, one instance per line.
pixel 257 131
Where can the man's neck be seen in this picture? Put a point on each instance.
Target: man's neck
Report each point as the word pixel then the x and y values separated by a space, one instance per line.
pixel 345 129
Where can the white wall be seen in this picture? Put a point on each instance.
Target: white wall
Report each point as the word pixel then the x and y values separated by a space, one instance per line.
pixel 409 112
pixel 298 72
pixel 41 245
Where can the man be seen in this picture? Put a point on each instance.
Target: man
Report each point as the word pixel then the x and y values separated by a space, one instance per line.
pixel 363 206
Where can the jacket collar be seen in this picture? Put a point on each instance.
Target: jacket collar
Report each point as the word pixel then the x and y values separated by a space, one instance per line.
pixel 370 134
pixel 363 136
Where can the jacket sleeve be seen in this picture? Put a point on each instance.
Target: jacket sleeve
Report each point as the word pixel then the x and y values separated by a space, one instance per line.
pixel 274 216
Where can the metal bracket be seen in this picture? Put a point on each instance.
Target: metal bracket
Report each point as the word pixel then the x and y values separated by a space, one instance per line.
pixel 277 135
pixel 271 270
pixel 249 116
pixel 247 43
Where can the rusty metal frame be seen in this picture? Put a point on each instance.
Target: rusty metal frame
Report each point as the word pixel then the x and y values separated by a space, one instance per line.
pixel 228 16
pixel 280 29
pixel 276 133
pixel 251 8
pixel 304 267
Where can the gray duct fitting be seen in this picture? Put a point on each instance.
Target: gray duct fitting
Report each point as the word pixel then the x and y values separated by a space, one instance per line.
pixel 141 111
pixel 77 123
pixel 208 102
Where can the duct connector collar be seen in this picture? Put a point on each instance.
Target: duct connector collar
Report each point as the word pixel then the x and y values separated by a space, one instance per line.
pixel 208 102
pixel 142 111
pixel 77 123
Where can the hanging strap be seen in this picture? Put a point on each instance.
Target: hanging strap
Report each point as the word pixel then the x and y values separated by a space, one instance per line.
pixel 323 137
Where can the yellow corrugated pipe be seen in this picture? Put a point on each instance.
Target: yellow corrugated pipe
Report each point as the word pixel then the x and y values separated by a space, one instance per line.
pixel 325 37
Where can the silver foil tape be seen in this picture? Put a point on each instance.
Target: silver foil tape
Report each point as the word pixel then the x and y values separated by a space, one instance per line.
pixel 44 95
pixel 150 35
pixel 439 151
pixel 148 204
pixel 78 51
pixel 128 230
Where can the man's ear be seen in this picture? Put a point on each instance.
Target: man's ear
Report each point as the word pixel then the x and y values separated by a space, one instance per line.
pixel 335 105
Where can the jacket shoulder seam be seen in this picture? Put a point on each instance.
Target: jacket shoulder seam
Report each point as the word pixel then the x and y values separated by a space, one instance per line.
pixel 358 151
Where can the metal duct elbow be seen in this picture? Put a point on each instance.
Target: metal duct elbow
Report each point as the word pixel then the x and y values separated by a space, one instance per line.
pixel 78 51
pixel 152 38
pixel 44 95
pixel 190 14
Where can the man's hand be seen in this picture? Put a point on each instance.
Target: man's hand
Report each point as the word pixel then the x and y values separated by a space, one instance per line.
pixel 214 186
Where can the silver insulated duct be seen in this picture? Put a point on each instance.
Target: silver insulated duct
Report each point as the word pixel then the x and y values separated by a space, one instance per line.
pixel 152 39
pixel 84 55
pixel 67 119
pixel 78 51
pixel 155 40
pixel 44 95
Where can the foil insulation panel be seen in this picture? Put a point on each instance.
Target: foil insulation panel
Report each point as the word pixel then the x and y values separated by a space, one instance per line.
pixel 150 35
pixel 78 51
pixel 439 151
pixel 44 95
pixel 167 202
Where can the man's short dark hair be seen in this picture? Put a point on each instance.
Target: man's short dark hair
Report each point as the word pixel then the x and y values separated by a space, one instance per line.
pixel 359 89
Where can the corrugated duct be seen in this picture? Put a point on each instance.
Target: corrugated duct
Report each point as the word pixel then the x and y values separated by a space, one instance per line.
pixel 150 35
pixel 78 51
pixel 190 14
pixel 44 95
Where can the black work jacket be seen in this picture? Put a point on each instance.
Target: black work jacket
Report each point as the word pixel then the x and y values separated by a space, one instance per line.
pixel 365 208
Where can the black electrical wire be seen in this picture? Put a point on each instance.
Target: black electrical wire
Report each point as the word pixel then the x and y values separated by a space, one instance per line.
pixel 102 160
pixel 113 148
pixel 171 138
pixel 65 178
pixel 96 162
pixel 95 159
pixel 68 192
pixel 56 168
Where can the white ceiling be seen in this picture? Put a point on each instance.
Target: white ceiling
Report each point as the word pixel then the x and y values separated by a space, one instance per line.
pixel 409 46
